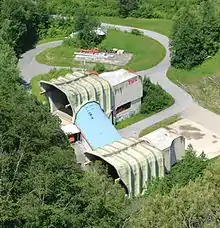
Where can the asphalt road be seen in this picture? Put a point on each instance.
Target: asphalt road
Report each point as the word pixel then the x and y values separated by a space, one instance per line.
pixel 184 104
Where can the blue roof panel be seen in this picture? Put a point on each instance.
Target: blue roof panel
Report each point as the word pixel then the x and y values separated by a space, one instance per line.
pixel 95 126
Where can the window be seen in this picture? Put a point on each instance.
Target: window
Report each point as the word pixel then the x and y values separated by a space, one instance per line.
pixel 123 107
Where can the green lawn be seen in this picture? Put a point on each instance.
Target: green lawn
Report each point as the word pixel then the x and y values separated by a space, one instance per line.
pixel 157 25
pixel 163 123
pixel 131 120
pixel 46 40
pixel 202 82
pixel 146 52
pixel 58 56
pixel 35 89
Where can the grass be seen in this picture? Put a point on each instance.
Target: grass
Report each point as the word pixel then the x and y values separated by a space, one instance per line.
pixel 158 25
pixel 163 123
pixel 46 40
pixel 146 51
pixel 35 89
pixel 202 82
pixel 154 100
pixel 131 120
pixel 58 56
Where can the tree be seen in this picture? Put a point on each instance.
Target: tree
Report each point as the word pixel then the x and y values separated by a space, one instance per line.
pixel 187 40
pixel 154 98
pixel 19 22
pixel 195 205
pixel 41 183
pixel 186 170
pixel 195 35
pixel 210 26
pixel 126 7
pixel 85 25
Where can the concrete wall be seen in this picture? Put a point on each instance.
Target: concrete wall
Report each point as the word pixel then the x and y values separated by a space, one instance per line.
pixel 128 91
pixel 174 153
pixel 135 108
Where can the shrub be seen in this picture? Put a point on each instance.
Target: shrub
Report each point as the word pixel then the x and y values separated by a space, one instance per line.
pixel 136 32
pixel 71 42
pixel 99 67
pixel 186 170
pixel 154 98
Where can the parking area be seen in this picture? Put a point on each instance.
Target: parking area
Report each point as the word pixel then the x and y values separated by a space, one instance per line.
pixel 199 137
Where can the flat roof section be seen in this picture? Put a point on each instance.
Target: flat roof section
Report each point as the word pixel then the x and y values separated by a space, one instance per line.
pixel 95 126
pixel 70 129
pixel 161 138
pixel 198 136
pixel 118 76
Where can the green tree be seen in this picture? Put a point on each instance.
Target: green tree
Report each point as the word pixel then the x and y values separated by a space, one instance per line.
pixel 85 25
pixel 195 35
pixel 126 7
pixel 195 205
pixel 41 183
pixel 19 22
pixel 187 40
pixel 186 170
pixel 210 26
pixel 154 98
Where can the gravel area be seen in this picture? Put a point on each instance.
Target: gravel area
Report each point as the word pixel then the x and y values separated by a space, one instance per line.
pixel 114 59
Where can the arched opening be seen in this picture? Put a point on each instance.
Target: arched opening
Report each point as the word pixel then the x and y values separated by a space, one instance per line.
pixel 112 172
pixel 58 101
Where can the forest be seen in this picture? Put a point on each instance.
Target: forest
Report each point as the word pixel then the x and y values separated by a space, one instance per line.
pixel 41 185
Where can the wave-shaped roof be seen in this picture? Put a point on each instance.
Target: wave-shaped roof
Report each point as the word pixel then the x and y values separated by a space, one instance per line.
pixel 81 87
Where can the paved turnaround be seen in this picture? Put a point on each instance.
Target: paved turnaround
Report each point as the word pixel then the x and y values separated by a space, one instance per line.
pixel 184 104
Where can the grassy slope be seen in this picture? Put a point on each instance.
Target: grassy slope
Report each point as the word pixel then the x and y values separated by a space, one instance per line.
pixel 208 68
pixel 58 56
pixel 147 52
pixel 202 82
pixel 46 40
pixel 158 25
pixel 163 123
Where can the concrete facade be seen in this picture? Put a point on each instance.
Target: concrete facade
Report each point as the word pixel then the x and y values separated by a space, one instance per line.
pixel 118 92
pixel 171 143
pixel 127 89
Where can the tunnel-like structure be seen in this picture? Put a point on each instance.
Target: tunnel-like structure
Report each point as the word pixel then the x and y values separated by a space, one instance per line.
pixel 87 101
pixel 134 160
pixel 67 94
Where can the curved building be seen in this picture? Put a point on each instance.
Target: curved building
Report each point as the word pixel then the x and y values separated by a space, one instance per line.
pixel 67 94
pixel 95 126
pixel 134 160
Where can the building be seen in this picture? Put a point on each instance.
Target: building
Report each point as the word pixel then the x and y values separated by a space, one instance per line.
pixel 118 92
pixel 67 94
pixel 171 143
pixel 95 127
pixel 127 88
pixel 130 161
pixel 87 106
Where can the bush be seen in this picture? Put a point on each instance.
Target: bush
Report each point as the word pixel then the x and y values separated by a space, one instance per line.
pixel 154 98
pixel 71 42
pixel 99 67
pixel 136 32
pixel 186 170
pixel 86 25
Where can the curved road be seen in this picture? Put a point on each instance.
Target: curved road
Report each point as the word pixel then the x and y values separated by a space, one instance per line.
pixel 184 104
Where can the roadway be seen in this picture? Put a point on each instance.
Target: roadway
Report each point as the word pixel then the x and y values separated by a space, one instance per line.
pixel 184 104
